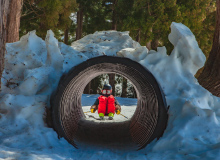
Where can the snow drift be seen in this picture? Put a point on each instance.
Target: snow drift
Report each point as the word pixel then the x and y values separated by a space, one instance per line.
pixel 33 68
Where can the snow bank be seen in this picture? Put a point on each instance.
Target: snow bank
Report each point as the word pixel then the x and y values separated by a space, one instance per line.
pixel 33 68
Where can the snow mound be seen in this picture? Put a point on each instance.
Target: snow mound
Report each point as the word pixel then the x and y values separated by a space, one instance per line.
pixel 33 68
pixel 186 48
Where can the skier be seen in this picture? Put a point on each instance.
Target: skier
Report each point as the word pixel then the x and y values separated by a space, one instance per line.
pixel 106 104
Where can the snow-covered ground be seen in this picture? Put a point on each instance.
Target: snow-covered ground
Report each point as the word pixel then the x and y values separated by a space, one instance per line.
pixel 33 68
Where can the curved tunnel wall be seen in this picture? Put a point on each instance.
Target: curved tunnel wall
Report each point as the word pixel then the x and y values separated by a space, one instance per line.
pixel 148 122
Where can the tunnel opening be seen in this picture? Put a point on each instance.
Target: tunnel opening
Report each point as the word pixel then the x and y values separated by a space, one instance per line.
pixel 122 90
pixel 148 122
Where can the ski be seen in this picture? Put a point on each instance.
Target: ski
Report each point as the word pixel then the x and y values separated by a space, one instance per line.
pixel 94 117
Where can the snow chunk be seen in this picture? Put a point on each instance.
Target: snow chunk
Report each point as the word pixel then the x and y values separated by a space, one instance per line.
pixel 54 56
pixel 162 50
pixel 186 48
pixel 136 54
pixel 104 43
pixel 28 53
pixel 22 111
pixel 35 79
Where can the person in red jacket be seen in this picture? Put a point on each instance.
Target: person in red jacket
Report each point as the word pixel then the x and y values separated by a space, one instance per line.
pixel 106 104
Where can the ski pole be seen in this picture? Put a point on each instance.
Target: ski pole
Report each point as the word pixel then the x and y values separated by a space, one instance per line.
pixel 123 115
pixel 87 112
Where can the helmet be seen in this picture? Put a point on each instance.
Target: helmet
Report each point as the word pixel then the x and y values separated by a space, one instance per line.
pixel 107 89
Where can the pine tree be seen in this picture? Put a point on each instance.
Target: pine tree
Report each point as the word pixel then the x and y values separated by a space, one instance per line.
pixel 150 20
pixel 97 17
pixel 44 15
pixel 210 76
pixel 199 16
pixel 64 23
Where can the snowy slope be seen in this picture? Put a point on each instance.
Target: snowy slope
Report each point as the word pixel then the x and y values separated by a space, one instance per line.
pixel 32 71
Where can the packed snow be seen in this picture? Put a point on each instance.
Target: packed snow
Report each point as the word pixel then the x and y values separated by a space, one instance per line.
pixel 33 68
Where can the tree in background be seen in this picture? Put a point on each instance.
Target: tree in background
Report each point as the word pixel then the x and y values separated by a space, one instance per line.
pixel 4 10
pixel 199 16
pixel 79 27
pixel 44 15
pixel 149 21
pixel 92 15
pixel 124 87
pixel 131 92
pixel 210 76
pixel 114 14
pixel 94 86
pixel 64 23
pixel 97 17
pixel 112 82
pixel 13 20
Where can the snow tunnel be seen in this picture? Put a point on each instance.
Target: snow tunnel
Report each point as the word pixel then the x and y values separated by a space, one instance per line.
pixel 148 122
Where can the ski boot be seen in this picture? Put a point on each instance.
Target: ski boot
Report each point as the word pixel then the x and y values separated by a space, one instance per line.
pixel 101 116
pixel 110 116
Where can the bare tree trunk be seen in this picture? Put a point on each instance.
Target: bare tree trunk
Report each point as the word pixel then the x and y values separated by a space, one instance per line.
pixel 66 35
pixel 138 37
pixel 124 87
pixel 210 76
pixel 114 18
pixel 114 24
pixel 112 82
pixel 94 85
pixel 79 27
pixel 148 45
pixel 4 9
pixel 134 92
pixel 154 44
pixel 87 90
pixel 13 22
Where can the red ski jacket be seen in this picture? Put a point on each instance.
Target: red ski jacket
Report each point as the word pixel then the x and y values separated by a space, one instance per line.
pixel 106 104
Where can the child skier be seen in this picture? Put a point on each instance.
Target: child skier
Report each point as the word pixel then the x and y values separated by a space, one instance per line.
pixel 106 104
